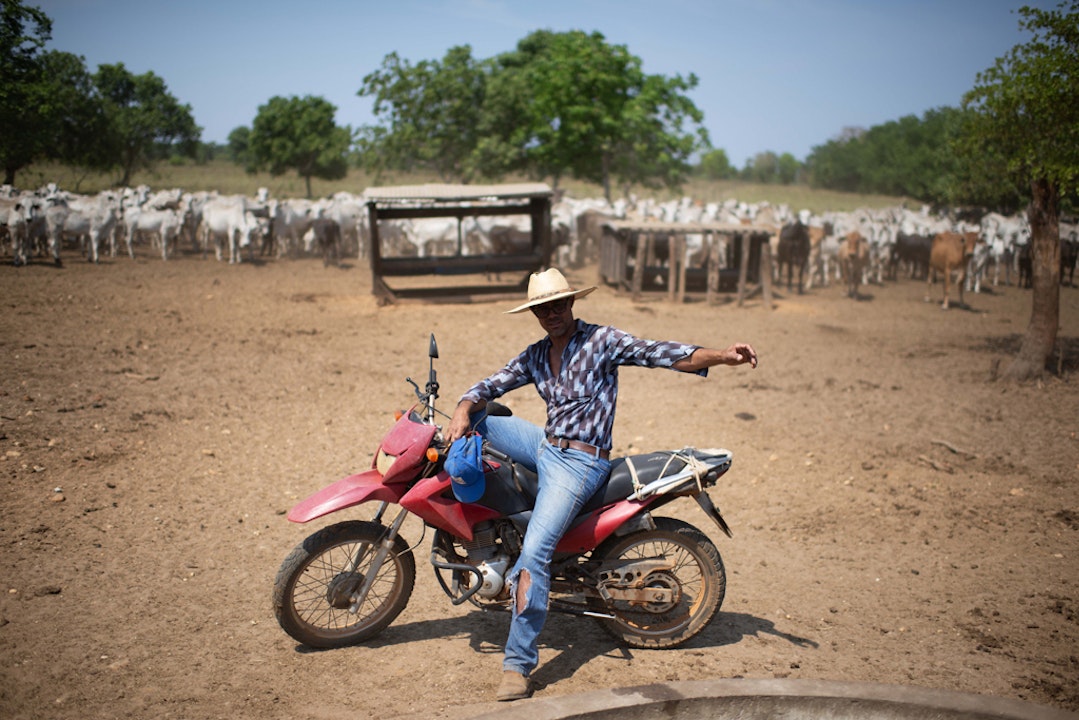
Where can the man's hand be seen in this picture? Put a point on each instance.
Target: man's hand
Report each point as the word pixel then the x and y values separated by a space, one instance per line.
pixel 742 353
pixel 459 423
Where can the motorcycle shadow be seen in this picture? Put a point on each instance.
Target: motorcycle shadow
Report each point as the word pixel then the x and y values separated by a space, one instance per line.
pixel 577 648
pixel 576 643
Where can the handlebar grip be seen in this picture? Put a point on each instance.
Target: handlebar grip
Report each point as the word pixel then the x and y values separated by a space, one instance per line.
pixel 496 454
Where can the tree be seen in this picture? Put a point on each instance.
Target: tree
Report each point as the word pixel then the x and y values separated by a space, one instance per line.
pixel 788 169
pixel 837 165
pixel 584 108
pixel 73 116
pixel 299 134
pixel 1026 108
pixel 655 145
pixel 239 145
pixel 715 165
pixel 145 121
pixel 23 34
pixel 576 85
pixel 762 167
pixel 432 111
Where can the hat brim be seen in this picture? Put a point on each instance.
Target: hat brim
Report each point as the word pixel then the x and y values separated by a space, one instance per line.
pixel 468 491
pixel 550 298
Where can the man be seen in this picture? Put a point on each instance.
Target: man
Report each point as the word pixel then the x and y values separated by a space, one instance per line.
pixel 575 370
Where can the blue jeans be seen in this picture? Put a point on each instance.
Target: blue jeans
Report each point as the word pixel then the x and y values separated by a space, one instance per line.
pixel 567 479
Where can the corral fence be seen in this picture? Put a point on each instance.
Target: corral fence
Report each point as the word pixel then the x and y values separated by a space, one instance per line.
pixel 688 257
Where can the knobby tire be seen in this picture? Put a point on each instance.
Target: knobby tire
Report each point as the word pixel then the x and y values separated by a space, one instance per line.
pixel 311 588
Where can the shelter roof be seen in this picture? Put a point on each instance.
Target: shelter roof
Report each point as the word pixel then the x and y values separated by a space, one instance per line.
pixel 674 228
pixel 455 193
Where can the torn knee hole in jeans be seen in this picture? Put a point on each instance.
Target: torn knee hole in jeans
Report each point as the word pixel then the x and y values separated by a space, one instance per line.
pixel 521 585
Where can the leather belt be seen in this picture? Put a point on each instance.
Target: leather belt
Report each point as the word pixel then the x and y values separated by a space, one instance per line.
pixel 564 443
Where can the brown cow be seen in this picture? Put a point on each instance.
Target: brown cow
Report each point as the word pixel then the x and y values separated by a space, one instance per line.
pixel 950 252
pixel 853 257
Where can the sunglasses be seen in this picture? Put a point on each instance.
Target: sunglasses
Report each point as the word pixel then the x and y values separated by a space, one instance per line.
pixel 552 308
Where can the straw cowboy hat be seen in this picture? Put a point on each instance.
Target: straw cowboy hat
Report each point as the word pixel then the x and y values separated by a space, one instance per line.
pixel 548 286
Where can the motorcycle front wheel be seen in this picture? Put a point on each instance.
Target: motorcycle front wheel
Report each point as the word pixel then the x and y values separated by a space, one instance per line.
pixel 694 578
pixel 314 587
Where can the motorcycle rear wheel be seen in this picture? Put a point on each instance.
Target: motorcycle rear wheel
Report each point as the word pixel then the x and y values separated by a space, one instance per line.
pixel 311 594
pixel 697 579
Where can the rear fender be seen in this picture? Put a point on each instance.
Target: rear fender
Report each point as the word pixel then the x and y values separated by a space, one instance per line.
pixel 355 489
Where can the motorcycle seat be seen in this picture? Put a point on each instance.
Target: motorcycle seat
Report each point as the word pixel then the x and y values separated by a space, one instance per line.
pixel 648 467
pixel 519 493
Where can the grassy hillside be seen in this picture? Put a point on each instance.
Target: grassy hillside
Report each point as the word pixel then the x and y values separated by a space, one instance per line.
pixel 231 179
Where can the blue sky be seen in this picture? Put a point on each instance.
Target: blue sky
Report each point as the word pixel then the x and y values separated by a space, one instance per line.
pixel 775 75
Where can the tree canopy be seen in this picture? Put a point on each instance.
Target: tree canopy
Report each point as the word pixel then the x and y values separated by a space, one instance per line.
pixel 560 104
pixel 1023 114
pixel 144 119
pixel 298 133
pixel 433 112
pixel 23 34
pixel 716 165
pixel 910 157
pixel 73 114
pixel 52 107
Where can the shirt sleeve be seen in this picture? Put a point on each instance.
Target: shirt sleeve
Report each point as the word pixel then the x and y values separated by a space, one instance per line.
pixel 514 375
pixel 630 350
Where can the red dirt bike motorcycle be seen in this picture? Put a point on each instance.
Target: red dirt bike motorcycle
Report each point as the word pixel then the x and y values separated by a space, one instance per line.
pixel 651 582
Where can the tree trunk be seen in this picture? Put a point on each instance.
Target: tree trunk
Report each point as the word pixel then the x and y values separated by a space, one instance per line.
pixel 1044 215
pixel 307 182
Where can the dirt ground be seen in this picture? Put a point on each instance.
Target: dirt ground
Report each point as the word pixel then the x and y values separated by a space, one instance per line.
pixel 898 517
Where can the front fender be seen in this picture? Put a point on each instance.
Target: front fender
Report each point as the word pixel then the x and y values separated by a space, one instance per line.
pixel 346 492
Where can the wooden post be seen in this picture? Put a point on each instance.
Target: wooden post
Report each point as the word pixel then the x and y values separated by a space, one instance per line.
pixel 644 249
pixel 713 267
pixel 681 269
pixel 672 267
pixel 766 272
pixel 743 267
pixel 676 267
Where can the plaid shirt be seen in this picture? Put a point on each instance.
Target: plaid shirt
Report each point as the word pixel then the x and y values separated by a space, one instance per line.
pixel 581 399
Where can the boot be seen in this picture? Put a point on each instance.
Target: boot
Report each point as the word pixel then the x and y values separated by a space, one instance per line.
pixel 515 686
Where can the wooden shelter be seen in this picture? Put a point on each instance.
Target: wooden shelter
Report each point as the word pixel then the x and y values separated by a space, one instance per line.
pixel 642 255
pixel 486 268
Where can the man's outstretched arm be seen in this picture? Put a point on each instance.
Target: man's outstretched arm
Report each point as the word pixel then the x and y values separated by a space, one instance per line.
pixel 701 358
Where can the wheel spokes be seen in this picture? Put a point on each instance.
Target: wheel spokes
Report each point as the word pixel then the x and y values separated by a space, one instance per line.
pixel 685 572
pixel 318 594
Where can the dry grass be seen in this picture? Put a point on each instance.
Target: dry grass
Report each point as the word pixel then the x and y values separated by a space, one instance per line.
pixel 228 178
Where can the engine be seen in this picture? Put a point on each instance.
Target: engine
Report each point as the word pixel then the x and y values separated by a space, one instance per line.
pixel 487 552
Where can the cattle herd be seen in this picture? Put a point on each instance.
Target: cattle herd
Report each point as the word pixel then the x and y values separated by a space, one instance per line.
pixel 855 247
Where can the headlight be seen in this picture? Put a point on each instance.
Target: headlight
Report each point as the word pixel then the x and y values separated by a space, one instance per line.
pixel 384 461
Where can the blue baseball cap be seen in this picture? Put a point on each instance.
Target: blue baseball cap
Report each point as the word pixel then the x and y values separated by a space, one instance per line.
pixel 464 463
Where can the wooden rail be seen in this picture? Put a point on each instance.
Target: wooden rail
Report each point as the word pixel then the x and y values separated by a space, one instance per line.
pixel 458 201
pixel 720 242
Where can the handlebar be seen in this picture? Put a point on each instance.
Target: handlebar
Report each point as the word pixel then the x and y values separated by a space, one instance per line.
pixel 488 450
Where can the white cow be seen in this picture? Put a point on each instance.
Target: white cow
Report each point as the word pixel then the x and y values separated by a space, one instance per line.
pixel 349 212
pixel 230 221
pixel 105 217
pixel 1007 235
pixel 16 216
pixel 89 220
pixel 64 222
pixel 163 226
pixel 438 236
pixel 290 219
pixel 823 249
